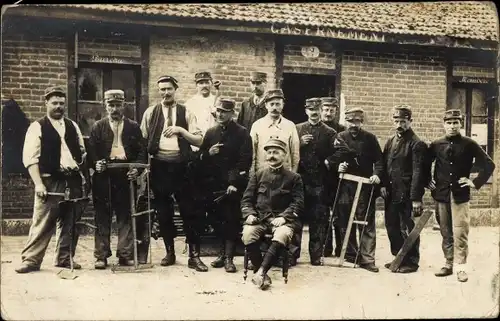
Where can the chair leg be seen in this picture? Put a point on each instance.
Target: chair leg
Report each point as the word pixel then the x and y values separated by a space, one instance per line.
pixel 245 264
pixel 286 263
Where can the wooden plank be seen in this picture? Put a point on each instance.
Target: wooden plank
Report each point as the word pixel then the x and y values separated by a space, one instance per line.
pixel 349 224
pixel 410 240
pixel 354 178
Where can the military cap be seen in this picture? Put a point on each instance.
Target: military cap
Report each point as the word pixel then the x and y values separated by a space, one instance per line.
pixel 114 95
pixel 453 114
pixel 274 93
pixel 313 103
pixel 168 79
pixel 203 75
pixel 226 104
pixel 329 101
pixel 275 142
pixel 402 111
pixel 259 76
pixel 354 114
pixel 54 90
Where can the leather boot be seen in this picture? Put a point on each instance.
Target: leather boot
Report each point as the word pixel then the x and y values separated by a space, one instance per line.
pixel 228 263
pixel 219 261
pixel 255 256
pixel 194 261
pixel 169 259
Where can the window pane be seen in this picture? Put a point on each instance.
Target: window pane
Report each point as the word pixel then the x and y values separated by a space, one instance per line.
pixel 88 114
pixel 90 84
pixel 479 107
pixel 124 80
pixel 458 99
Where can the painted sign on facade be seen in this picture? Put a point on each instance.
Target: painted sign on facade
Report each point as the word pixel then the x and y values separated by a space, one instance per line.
pixel 327 32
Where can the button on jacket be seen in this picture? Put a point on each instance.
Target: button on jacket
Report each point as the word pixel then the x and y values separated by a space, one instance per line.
pixel 278 192
pixel 454 159
pixel 404 174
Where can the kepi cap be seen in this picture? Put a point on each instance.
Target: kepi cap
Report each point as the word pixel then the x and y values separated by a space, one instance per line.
pixel 274 93
pixel 258 76
pixel 54 90
pixel 402 111
pixel 313 103
pixel 329 101
pixel 275 142
pixel 354 114
pixel 114 95
pixel 168 79
pixel 453 114
pixel 226 104
pixel 203 75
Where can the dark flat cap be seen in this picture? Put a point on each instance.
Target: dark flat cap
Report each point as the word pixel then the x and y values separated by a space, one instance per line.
pixel 259 76
pixel 54 90
pixel 168 79
pixel 313 103
pixel 402 111
pixel 203 75
pixel 453 114
pixel 275 142
pixel 354 114
pixel 274 93
pixel 226 104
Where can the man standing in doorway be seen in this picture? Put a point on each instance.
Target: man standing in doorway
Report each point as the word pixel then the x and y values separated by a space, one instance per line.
pixel 403 186
pixel 450 185
pixel 254 107
pixel 54 153
pixel 316 144
pixel 170 130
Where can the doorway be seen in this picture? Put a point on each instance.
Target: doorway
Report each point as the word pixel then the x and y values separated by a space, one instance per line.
pixel 298 87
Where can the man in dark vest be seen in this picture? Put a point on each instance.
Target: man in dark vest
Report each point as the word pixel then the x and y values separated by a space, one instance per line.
pixel 114 139
pixel 254 108
pixel 170 130
pixel 316 144
pixel 53 153
pixel 403 186
pixel 454 155
pixel 226 156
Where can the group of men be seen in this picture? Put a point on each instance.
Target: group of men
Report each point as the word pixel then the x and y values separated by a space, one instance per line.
pixel 255 174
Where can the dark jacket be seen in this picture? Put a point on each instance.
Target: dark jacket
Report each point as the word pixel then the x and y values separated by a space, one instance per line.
pixel 336 126
pixel 312 167
pixel 231 165
pixel 250 112
pixel 454 158
pixel 404 167
pixel 276 192
pixel 101 141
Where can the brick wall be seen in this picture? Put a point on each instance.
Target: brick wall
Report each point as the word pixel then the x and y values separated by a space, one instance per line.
pixel 466 68
pixel 117 46
pixel 230 59
pixel 295 61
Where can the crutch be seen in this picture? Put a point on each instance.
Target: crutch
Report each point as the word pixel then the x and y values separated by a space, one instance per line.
pixel 134 215
pixel 360 181
pixel 330 223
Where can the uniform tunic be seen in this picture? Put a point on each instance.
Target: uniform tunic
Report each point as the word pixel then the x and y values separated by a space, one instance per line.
pixel 250 112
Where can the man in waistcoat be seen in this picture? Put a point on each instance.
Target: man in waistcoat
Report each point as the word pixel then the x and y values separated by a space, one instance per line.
pixel 253 108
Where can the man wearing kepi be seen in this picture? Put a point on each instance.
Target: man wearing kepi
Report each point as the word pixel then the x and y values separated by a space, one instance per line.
pixel 403 186
pixel 454 155
pixel 367 163
pixel 54 153
pixel 114 139
pixel 329 107
pixel 202 105
pixel 316 144
pixel 226 156
pixel 253 108
pixel 273 202
pixel 170 130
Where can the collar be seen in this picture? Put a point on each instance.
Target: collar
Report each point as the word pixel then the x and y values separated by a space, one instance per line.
pixel 164 105
pixel 275 169
pixel 453 138
pixel 112 121
pixel 314 125
pixel 272 121
pixel 58 121
pixel 225 127
pixel 256 100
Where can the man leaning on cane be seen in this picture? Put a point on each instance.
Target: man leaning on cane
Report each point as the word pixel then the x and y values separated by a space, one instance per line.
pixel 114 139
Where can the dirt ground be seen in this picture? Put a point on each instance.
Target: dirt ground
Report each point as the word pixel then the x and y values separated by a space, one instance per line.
pixel 325 292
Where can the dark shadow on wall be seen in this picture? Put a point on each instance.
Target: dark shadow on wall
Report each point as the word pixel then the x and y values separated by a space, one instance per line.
pixel 14 127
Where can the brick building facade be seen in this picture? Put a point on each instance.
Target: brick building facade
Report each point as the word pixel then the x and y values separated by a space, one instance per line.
pixel 91 48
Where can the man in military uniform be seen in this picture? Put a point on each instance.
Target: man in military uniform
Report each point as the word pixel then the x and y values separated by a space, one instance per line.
pixel 202 105
pixel 329 107
pixel 253 108
pixel 114 139
pixel 170 130
pixel 54 154
pixel 316 144
pixel 367 163
pixel 273 202
pixel 454 155
pixel 403 186
pixel 226 156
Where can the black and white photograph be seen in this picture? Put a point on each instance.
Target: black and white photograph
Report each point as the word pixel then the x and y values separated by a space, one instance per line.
pixel 250 161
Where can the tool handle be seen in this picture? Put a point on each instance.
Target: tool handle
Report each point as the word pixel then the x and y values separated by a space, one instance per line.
pixel 127 165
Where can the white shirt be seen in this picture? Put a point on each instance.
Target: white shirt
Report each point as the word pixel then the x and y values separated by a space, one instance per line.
pixel 33 144
pixel 263 129
pixel 202 108
pixel 117 150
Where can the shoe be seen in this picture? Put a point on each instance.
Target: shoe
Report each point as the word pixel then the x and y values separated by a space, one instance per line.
pixel 316 262
pixel 125 262
pixel 27 268
pixel 229 265
pixel 388 265
pixel 169 259
pixel 266 283
pixel 462 276
pixel 101 264
pixel 67 265
pixel 445 271
pixel 142 261
pixel 407 269
pixel 194 261
pixel 219 261
pixel 369 267
pixel 262 281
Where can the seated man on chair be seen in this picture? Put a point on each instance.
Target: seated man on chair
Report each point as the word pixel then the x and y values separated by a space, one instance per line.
pixel 272 203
